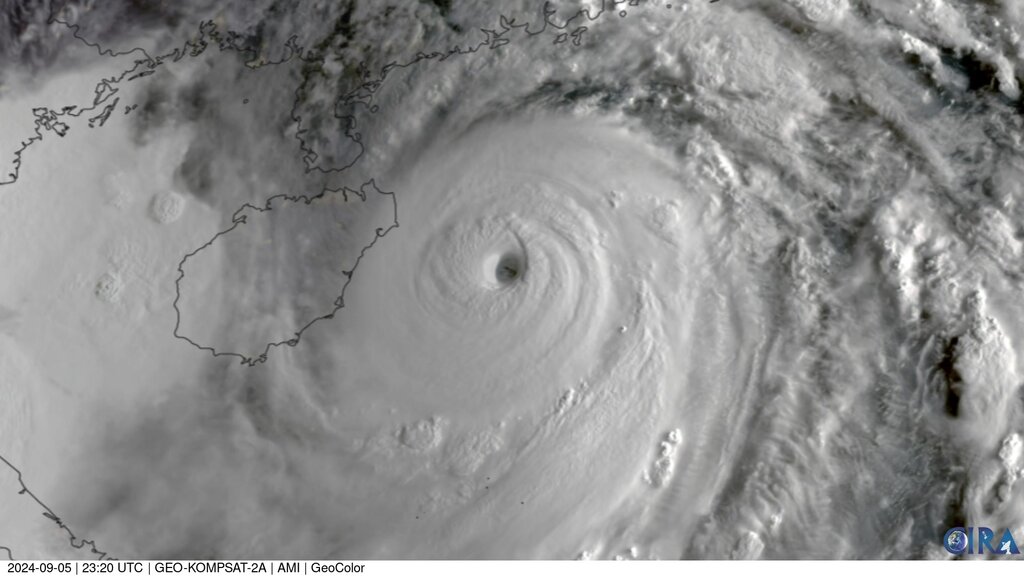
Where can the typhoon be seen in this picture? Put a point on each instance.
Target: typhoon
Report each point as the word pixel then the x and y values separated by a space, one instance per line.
pixel 639 279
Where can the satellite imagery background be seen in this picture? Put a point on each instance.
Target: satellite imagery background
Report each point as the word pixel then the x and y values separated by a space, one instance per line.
pixel 397 279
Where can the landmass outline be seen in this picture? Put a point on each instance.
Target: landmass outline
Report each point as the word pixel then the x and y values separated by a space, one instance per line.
pixel 105 101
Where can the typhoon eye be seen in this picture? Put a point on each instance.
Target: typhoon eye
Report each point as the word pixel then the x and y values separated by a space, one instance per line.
pixel 509 269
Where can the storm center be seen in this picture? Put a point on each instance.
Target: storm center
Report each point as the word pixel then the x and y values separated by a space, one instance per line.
pixel 509 269
pixel 504 268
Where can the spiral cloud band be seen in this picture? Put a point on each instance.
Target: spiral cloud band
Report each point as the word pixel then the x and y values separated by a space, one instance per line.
pixel 618 279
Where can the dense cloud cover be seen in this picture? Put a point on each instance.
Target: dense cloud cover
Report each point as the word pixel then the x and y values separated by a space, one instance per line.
pixel 677 279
